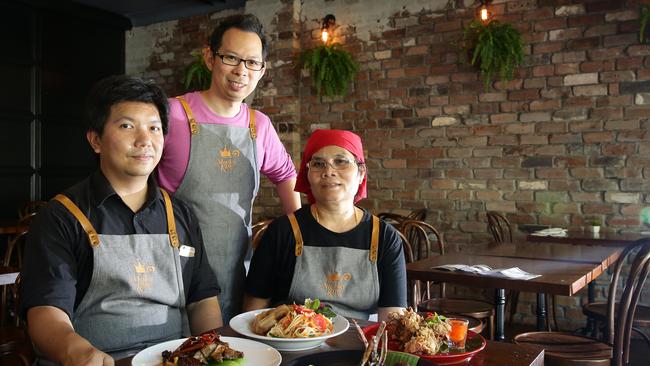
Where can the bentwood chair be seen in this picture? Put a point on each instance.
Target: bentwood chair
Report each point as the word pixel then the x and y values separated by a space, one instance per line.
pixel 30 208
pixel 563 349
pixel 425 240
pixel 598 310
pixel 396 219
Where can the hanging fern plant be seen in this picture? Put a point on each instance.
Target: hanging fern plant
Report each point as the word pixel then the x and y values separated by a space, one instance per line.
pixel 495 48
pixel 643 22
pixel 197 75
pixel 332 69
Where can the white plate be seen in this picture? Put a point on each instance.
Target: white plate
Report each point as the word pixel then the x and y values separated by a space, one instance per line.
pixel 255 353
pixel 243 323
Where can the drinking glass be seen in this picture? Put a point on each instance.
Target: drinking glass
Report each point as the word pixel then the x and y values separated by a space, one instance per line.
pixel 458 333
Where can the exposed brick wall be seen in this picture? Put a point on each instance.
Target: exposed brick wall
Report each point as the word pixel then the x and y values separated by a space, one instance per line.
pixel 563 143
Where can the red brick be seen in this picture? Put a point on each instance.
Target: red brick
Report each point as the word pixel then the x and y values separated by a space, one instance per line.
pixel 544 70
pixel 547 47
pixel 569 68
pixel 596 66
pixel 524 94
pixel 588 19
pixel 607 113
pixel 553 23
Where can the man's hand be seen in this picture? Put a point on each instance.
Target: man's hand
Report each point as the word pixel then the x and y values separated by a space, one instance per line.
pixel 83 353
pixel 52 333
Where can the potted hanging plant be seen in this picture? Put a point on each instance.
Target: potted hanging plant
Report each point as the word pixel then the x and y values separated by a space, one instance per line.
pixel 197 75
pixel 332 68
pixel 495 48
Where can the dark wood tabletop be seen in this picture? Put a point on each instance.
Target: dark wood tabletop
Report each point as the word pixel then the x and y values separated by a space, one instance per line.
pixel 557 278
pixel 590 238
pixel 560 278
pixel 494 354
pixel 598 254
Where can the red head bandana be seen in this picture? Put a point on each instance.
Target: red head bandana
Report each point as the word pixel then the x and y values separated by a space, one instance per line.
pixel 318 140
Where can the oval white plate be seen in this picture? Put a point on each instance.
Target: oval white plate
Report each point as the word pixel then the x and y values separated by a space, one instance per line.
pixel 242 324
pixel 255 353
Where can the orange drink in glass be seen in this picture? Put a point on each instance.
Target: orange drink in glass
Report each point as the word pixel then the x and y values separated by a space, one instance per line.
pixel 458 333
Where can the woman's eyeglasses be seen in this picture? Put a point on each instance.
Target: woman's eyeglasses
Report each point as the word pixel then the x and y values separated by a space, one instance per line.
pixel 318 165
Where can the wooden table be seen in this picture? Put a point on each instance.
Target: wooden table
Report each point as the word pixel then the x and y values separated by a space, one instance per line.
pixel 590 238
pixel 494 354
pixel 605 256
pixel 557 277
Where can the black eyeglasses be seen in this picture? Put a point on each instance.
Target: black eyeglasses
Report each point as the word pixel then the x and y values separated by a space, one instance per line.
pixel 231 60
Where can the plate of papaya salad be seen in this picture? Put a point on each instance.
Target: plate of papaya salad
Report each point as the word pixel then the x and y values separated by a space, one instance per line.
pixel 291 327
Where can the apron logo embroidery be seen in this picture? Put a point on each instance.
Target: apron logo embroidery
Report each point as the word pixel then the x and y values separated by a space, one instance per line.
pixel 142 278
pixel 334 283
pixel 227 159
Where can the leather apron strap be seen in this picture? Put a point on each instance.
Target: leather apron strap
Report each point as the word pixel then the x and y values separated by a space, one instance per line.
pixel 83 220
pixel 171 223
pixel 374 240
pixel 93 238
pixel 251 125
pixel 296 234
pixel 194 127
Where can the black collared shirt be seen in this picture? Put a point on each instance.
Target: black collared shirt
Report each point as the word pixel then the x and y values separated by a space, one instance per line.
pixel 58 259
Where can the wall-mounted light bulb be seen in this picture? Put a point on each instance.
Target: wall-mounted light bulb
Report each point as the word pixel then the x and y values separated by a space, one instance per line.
pixel 484 14
pixel 324 35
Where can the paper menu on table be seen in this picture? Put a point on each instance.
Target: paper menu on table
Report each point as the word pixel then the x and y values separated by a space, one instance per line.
pixel 554 231
pixel 485 270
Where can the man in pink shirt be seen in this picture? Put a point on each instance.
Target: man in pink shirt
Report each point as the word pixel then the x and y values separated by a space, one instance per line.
pixel 216 148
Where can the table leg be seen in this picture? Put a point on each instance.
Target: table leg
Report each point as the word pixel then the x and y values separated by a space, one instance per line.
pixel 541 312
pixel 591 297
pixel 499 317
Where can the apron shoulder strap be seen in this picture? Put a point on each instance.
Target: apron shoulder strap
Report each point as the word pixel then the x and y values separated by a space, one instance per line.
pixel 93 238
pixel 171 223
pixel 251 123
pixel 297 234
pixel 374 240
pixel 194 127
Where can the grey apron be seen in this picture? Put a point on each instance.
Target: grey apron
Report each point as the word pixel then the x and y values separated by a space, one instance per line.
pixel 220 183
pixel 136 295
pixel 345 278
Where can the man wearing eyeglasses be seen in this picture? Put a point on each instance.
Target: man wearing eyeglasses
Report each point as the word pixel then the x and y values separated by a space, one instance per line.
pixel 216 148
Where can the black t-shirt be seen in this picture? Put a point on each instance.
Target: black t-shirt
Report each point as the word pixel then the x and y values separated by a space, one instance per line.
pixel 58 261
pixel 274 260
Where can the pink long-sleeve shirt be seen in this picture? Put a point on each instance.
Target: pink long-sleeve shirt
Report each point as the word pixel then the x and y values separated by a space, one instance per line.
pixel 272 158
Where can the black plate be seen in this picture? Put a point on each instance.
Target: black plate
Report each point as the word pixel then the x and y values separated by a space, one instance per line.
pixel 338 358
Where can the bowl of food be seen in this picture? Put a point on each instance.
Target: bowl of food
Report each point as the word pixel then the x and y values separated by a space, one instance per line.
pixel 208 349
pixel 427 337
pixel 290 327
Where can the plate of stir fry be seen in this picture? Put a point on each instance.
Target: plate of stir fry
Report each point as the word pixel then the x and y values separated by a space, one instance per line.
pixel 208 349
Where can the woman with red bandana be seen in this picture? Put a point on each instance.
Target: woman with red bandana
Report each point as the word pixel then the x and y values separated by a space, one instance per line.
pixel 331 249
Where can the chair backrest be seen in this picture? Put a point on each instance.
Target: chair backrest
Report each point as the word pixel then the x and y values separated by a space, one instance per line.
pixel 419 215
pixel 423 237
pixel 499 227
pixel 258 231
pixel 30 208
pixel 621 318
pixel 13 259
